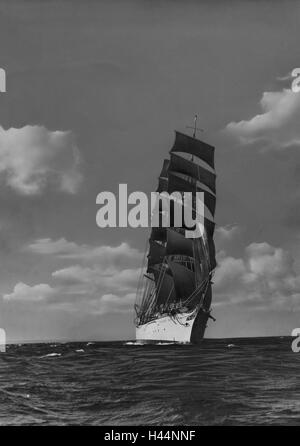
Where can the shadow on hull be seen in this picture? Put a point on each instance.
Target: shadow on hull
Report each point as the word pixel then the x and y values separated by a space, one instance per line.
pixel 199 327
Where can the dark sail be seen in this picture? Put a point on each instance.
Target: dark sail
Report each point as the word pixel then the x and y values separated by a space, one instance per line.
pixel 156 253
pixel 179 269
pixel 178 244
pixel 184 281
pixel 164 288
pixel 162 184
pixel 187 144
pixel 164 170
pixel 181 165
pixel 212 253
pixel 176 183
pixel 159 234
pixel 209 227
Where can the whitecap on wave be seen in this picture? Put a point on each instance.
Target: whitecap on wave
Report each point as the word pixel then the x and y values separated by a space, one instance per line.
pixel 51 355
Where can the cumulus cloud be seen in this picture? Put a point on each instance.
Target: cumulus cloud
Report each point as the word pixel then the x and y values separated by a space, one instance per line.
pixel 100 286
pixel 96 279
pixel 101 281
pixel 104 278
pixel 70 250
pixel 60 247
pixel 61 297
pixel 277 126
pixel 33 158
pixel 227 233
pixel 263 278
pixel 285 77
pixel 26 293
pixel 110 303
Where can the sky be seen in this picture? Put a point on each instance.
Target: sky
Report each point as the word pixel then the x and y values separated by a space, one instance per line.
pixel 95 91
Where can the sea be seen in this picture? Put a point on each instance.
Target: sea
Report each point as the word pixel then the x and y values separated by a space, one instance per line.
pixel 248 381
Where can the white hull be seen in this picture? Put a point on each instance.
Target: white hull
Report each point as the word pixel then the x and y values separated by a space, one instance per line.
pixel 167 329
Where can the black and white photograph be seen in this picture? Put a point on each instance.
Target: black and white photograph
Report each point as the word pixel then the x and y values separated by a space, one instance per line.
pixel 149 215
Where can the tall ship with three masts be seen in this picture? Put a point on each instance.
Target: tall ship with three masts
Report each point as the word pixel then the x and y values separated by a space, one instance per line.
pixel 175 291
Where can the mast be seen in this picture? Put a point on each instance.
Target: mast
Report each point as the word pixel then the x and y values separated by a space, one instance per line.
pixel 195 128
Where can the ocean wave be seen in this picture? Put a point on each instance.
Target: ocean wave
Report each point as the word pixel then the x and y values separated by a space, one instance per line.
pixel 115 385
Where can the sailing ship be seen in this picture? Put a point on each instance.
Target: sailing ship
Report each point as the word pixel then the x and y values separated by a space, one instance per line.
pixel 174 295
